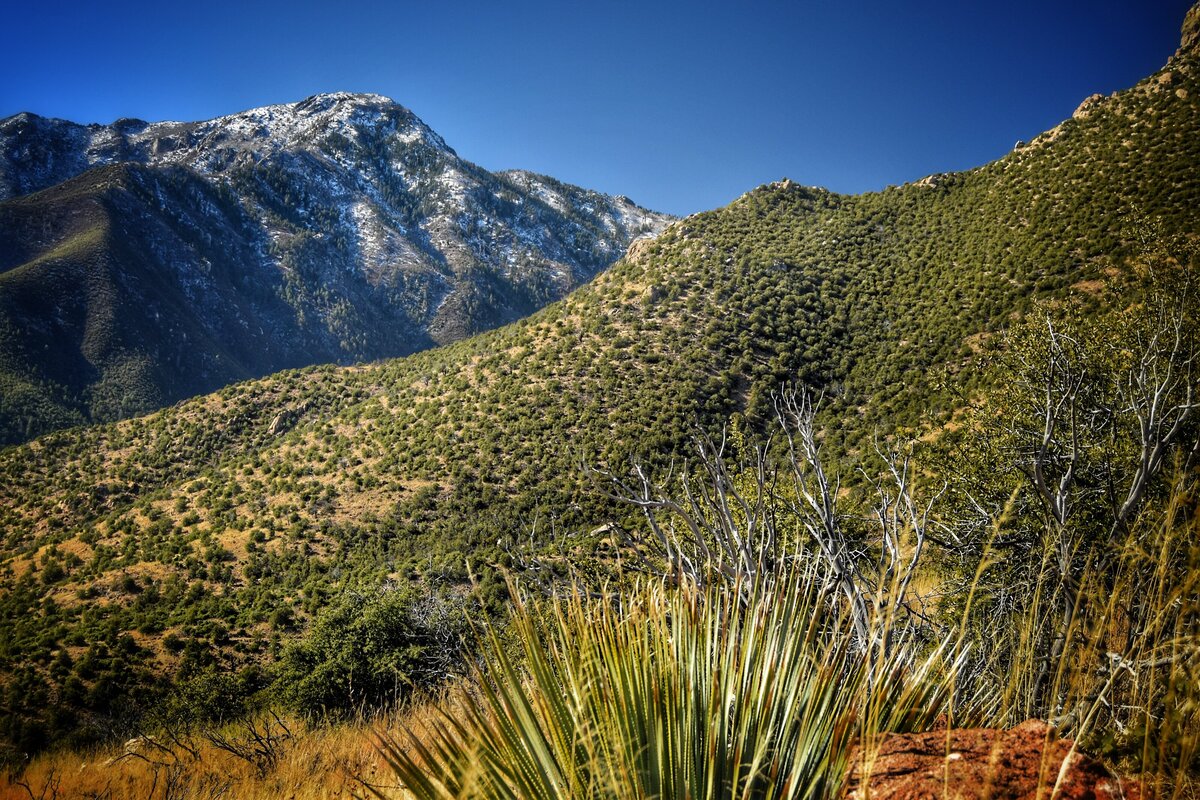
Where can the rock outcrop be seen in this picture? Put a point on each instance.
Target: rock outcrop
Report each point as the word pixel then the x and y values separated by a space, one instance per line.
pixel 1089 105
pixel 1024 763
pixel 1190 35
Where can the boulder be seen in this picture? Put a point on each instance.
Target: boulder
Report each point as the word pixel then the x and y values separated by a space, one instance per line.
pixel 1089 105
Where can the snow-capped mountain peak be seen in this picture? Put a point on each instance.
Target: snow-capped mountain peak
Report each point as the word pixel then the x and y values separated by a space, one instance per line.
pixel 355 231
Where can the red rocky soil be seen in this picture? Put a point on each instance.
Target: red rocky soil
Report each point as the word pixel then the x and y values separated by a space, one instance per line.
pixel 1024 763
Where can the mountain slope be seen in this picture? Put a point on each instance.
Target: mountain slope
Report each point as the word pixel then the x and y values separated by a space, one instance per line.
pixel 281 492
pixel 338 229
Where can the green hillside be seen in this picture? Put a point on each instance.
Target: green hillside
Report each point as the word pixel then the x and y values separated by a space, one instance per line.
pixel 208 534
pixel 99 320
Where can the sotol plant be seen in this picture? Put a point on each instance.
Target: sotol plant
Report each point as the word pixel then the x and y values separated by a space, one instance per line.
pixel 672 692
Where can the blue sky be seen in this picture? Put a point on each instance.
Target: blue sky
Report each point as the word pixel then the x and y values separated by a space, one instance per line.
pixel 681 106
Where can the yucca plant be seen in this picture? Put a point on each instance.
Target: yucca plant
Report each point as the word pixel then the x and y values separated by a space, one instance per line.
pixel 671 692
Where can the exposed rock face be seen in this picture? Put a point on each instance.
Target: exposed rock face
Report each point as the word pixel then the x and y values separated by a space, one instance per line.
pixel 1088 106
pixel 1190 35
pixel 1024 763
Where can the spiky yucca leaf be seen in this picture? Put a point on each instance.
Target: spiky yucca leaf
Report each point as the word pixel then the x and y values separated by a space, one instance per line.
pixel 672 693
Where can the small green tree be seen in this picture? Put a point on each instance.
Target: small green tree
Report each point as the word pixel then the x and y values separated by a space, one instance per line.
pixel 370 651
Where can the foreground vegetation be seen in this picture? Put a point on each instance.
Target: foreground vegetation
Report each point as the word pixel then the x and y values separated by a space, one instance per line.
pixel 734 691
pixel 729 691
pixel 300 762
pixel 720 689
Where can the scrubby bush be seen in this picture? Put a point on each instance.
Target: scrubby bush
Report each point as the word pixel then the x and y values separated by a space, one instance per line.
pixel 369 651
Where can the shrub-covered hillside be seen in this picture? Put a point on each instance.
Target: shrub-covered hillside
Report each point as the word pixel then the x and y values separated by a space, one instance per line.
pixel 206 535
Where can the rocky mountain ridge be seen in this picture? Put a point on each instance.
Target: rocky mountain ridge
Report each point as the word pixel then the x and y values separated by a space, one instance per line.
pixel 144 262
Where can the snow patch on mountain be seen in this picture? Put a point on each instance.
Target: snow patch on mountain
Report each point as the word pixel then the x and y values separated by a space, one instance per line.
pixel 362 209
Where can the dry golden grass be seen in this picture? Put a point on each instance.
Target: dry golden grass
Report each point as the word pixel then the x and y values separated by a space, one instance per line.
pixel 314 762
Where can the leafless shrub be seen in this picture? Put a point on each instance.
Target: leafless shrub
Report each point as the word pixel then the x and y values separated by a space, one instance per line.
pixel 742 522
pixel 259 741
pixel 49 790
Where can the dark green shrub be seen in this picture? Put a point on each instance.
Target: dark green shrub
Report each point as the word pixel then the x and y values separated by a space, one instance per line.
pixel 371 651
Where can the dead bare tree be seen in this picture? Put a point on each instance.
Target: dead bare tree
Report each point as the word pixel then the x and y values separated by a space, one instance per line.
pixel 743 522
pixel 1089 412
pixel 1159 388
pixel 903 524
pixel 713 527
pixel 1064 415
pixel 815 503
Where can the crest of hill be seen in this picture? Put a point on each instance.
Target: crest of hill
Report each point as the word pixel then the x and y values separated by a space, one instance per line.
pixel 1190 36
pixel 279 492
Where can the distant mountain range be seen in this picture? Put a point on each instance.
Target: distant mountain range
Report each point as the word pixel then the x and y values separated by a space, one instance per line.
pixel 141 263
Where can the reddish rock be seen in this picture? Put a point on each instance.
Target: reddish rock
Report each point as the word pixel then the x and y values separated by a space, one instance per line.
pixel 1024 763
